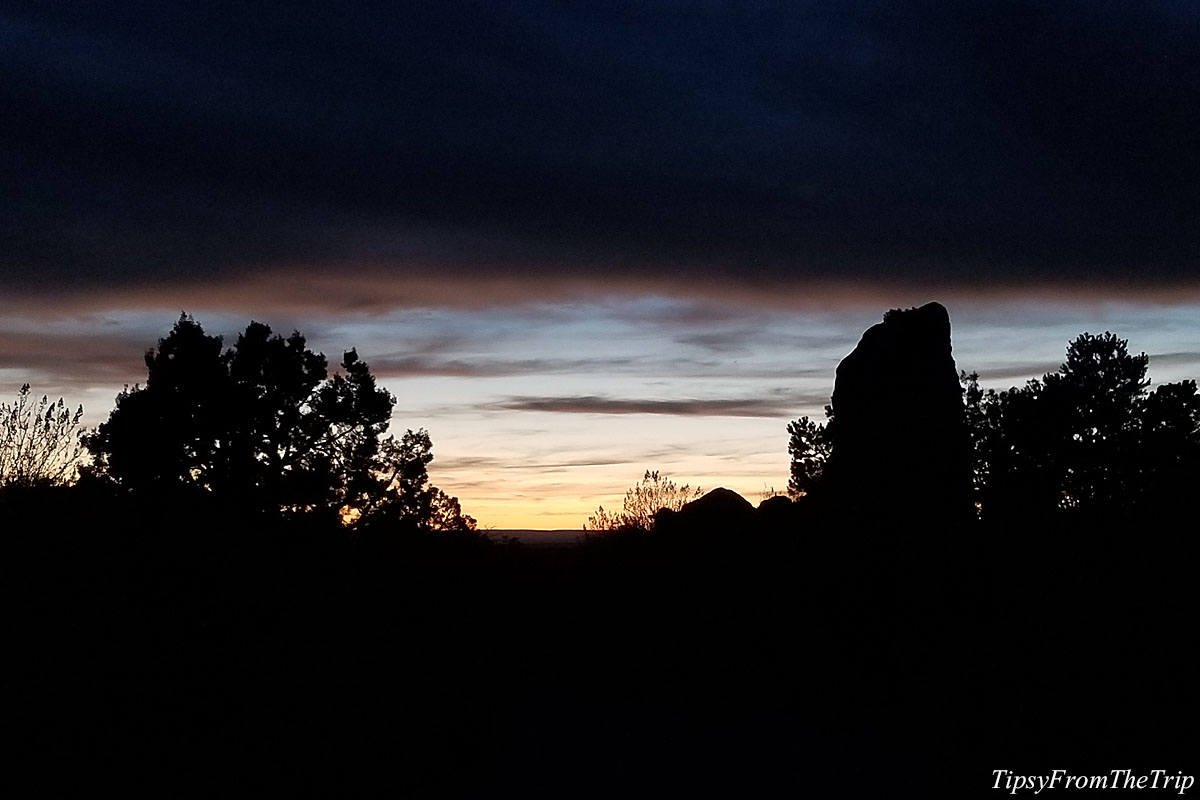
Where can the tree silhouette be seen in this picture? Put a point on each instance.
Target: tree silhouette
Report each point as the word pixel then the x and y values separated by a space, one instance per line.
pixel 263 426
pixel 399 493
pixel 975 417
pixel 39 441
pixel 809 444
pixel 1087 437
pixel 641 503
pixel 167 434
pixel 1100 390
pixel 1171 443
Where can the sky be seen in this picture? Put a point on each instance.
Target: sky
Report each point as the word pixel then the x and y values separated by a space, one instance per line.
pixel 582 240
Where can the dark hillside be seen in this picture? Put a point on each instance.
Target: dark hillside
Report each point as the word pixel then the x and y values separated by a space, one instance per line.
pixel 197 654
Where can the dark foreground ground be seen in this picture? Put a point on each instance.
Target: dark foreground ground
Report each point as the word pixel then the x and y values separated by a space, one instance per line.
pixel 174 652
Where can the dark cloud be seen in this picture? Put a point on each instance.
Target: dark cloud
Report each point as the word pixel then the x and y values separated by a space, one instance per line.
pixel 1022 371
pixel 422 366
pixel 721 341
pixel 1022 142
pixel 591 404
pixel 473 463
pixel 1173 359
pixel 1017 371
pixel 417 366
pixel 74 361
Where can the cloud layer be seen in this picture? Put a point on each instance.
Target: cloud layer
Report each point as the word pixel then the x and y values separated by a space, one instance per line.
pixel 591 404
pixel 772 144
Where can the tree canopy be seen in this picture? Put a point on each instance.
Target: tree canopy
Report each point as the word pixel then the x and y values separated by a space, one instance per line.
pixel 1089 436
pixel 263 425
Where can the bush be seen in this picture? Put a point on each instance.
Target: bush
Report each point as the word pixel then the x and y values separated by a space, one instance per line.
pixel 39 442
pixel 641 503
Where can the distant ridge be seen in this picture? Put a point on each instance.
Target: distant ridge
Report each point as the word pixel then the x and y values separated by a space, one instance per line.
pixel 533 537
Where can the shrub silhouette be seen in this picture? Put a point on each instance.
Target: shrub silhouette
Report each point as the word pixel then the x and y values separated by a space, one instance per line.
pixel 39 441
pixel 641 503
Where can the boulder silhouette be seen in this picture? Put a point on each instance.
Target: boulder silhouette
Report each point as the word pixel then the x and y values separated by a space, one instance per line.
pixel 719 511
pixel 900 448
pixel 776 507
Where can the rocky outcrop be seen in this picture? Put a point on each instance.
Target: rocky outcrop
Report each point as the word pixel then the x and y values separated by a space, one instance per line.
pixel 900 450
pixel 719 511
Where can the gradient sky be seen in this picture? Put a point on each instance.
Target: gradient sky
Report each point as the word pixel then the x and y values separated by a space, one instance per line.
pixel 582 240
